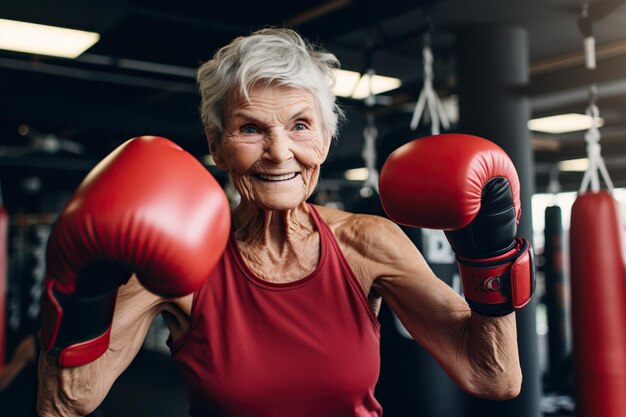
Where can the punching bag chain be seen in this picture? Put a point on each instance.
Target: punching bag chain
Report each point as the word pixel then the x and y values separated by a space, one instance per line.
pixel 370 133
pixel 428 96
pixel 592 136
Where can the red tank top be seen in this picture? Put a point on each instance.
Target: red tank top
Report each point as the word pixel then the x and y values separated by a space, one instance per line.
pixel 260 349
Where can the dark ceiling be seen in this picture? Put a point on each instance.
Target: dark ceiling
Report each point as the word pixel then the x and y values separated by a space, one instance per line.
pixel 139 78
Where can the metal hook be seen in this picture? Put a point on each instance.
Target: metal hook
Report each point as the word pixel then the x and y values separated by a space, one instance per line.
pixel 593 95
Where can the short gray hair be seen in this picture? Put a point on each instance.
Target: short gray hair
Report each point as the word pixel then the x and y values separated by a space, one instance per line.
pixel 269 55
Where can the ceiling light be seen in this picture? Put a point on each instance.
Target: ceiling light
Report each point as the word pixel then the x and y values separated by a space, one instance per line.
pixel 347 80
pixel 356 174
pixel 574 165
pixel 562 123
pixel 44 40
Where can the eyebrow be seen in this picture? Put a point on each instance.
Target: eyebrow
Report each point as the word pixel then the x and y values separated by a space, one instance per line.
pixel 301 113
pixel 297 115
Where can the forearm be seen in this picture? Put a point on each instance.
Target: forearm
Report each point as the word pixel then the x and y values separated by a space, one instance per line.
pixel 67 392
pixel 478 352
pixel 77 391
pixel 490 350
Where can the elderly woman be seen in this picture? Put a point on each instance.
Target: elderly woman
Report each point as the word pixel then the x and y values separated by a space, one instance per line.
pixel 286 323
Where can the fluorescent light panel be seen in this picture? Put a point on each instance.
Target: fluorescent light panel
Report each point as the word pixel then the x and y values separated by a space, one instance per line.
pixel 356 174
pixel 44 40
pixel 574 165
pixel 563 123
pixel 347 80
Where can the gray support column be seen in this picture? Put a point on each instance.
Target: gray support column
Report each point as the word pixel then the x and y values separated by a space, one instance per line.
pixel 492 71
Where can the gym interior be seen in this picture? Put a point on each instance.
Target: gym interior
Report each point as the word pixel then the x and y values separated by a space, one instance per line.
pixel 544 80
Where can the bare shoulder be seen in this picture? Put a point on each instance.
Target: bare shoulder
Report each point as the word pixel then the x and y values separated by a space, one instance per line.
pixel 368 240
pixel 366 232
pixel 345 222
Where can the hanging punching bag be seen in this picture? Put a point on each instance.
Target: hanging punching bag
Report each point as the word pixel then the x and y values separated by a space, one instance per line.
pixel 557 302
pixel 598 291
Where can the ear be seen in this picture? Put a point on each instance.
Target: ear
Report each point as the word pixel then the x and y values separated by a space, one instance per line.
pixel 214 150
pixel 328 140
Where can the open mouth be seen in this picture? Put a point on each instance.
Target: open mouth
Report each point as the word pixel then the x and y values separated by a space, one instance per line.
pixel 277 178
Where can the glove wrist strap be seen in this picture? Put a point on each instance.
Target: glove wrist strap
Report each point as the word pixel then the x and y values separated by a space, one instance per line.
pixel 501 285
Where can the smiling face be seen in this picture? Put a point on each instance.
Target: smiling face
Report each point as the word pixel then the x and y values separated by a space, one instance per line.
pixel 273 146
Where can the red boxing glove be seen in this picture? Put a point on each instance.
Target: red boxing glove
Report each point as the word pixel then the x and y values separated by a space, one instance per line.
pixel 148 208
pixel 468 187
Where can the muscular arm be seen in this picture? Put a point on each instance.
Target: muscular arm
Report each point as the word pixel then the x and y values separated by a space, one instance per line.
pixel 479 353
pixel 77 391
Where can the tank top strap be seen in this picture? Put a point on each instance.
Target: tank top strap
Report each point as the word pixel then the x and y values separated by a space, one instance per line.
pixel 330 241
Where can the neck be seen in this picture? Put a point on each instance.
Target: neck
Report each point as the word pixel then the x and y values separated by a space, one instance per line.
pixel 278 245
pixel 254 225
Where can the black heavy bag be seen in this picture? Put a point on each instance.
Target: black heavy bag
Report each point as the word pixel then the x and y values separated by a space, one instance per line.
pixel 557 295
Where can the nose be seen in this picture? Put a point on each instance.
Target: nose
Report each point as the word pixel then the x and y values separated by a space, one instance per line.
pixel 278 146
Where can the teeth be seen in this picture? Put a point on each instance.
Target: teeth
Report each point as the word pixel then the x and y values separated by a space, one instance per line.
pixel 277 177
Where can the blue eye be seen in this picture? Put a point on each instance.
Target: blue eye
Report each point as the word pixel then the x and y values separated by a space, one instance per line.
pixel 249 129
pixel 300 126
